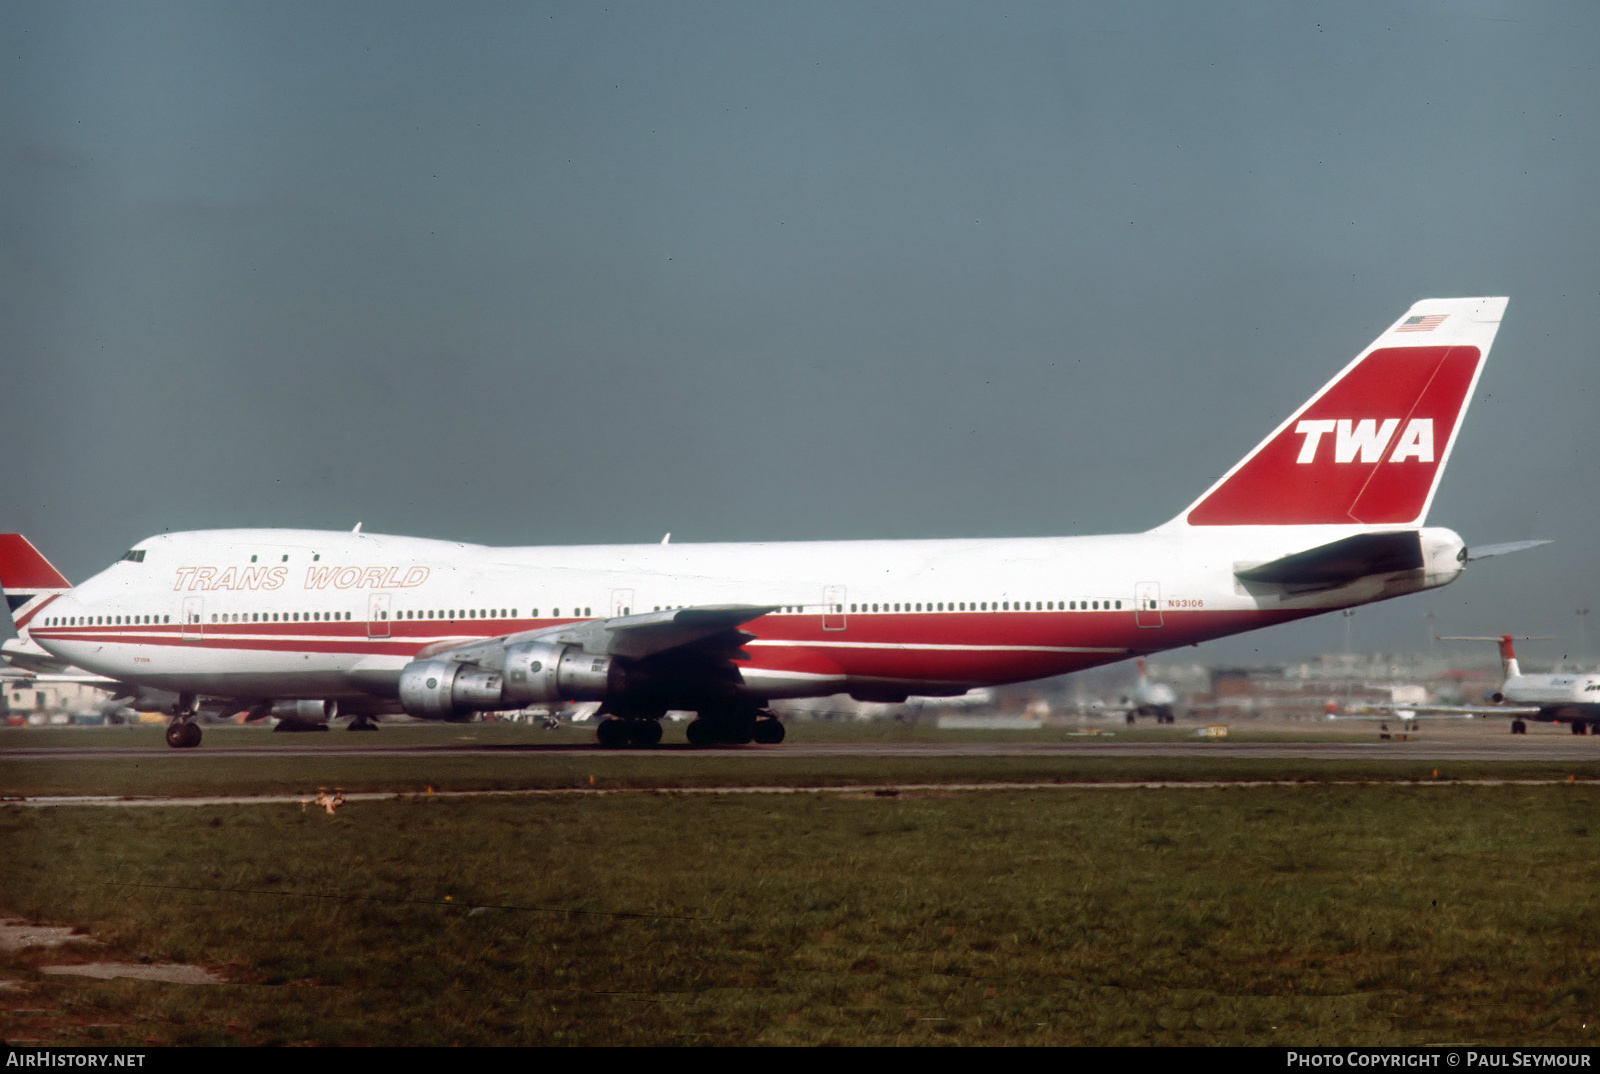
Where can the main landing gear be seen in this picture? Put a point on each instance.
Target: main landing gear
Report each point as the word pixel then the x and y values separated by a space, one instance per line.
pixel 736 728
pixel 615 732
pixel 729 727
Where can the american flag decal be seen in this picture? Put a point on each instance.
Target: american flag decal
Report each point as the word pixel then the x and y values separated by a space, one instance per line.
pixel 1421 324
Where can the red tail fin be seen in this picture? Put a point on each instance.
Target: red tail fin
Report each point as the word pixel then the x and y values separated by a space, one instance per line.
pixel 22 568
pixel 27 578
pixel 1508 651
pixel 1370 447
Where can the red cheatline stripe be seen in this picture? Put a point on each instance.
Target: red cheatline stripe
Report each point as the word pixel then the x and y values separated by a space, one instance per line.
pixel 27 618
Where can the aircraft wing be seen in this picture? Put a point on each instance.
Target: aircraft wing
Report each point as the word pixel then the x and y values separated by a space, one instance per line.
pixel 705 628
pixel 23 675
pixel 25 654
pixel 1430 712
pixel 139 697
pixel 667 655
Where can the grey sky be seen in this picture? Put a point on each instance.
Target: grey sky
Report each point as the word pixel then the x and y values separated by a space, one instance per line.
pixel 545 273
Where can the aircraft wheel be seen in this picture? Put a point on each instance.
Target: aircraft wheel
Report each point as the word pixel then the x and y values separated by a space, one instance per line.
pixel 612 733
pixel 1518 727
pixel 769 732
pixel 646 732
pixel 1579 727
pixel 701 733
pixel 183 735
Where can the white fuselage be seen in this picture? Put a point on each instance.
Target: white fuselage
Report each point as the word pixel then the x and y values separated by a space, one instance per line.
pixel 275 614
pixel 1552 691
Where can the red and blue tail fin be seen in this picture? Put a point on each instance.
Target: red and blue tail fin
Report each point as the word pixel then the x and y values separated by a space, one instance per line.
pixel 28 579
pixel 1370 447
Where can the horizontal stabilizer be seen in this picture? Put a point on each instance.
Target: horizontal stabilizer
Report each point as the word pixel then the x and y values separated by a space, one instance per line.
pixel 1484 551
pixel 1342 561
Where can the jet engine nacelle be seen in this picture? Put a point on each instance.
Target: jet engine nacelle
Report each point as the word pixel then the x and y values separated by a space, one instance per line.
pixel 306 710
pixel 529 672
pixel 551 671
pixel 446 690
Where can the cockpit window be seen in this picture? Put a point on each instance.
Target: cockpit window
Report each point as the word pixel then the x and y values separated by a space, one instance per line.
pixel 134 556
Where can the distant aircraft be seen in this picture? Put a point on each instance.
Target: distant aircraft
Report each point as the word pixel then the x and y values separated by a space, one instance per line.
pixel 30 582
pixel 1406 705
pixel 1560 698
pixel 1148 698
pixel 1325 513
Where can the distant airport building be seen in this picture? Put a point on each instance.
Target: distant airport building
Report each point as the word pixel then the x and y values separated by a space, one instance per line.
pixel 36 703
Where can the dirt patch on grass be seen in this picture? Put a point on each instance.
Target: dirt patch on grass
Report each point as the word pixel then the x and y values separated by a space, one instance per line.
pixel 20 936
pixel 171 972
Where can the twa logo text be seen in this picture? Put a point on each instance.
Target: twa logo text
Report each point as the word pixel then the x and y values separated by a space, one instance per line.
pixel 1366 439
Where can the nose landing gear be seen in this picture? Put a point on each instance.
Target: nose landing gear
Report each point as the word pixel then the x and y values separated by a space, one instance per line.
pixel 182 732
pixel 183 735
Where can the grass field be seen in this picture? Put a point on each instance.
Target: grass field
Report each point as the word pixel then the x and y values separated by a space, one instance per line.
pixel 1318 914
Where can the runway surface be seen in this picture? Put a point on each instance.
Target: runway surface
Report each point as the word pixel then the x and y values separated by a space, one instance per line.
pixel 1480 742
pixel 1441 748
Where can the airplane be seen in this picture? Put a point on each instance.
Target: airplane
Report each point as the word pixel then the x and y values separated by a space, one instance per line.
pixel 1325 513
pixel 1144 698
pixel 30 582
pixel 1558 698
pixel 1150 698
pixel 1407 704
